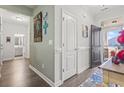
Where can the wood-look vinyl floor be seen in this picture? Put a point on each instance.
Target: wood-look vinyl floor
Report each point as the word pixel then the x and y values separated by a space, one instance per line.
pixel 17 73
pixel 76 80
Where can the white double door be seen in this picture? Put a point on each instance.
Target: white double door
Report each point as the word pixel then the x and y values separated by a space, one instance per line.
pixel 68 45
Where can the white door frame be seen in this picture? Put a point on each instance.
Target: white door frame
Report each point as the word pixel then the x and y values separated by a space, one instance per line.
pixel 62 65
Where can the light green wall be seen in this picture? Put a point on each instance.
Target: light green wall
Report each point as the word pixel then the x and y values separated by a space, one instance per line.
pixel 42 52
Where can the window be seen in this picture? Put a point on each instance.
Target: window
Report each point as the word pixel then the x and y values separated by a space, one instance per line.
pixel 110 43
pixel 19 40
pixel 112 38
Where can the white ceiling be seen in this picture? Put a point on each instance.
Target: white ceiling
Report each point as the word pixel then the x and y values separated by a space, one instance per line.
pixel 12 17
pixel 94 10
pixel 31 6
pixel 101 9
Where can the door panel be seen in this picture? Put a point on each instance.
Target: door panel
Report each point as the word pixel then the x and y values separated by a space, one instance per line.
pixel 70 35
pixel 69 45
pixel 95 46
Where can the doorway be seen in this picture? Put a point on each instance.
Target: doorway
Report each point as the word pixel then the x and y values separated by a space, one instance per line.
pixel 14 40
pixel 69 59
pixel 15 35
pixel 19 45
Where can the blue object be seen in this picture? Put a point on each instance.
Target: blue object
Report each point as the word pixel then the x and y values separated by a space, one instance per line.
pixel 97 78
pixel 45 24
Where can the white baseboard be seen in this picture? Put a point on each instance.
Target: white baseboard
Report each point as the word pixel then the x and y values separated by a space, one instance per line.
pixel 58 83
pixel 51 83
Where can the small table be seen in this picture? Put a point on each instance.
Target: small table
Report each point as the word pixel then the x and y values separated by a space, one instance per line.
pixel 113 73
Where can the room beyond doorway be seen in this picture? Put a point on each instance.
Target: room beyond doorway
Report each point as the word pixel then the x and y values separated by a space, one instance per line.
pixel 15 37
pixel 19 45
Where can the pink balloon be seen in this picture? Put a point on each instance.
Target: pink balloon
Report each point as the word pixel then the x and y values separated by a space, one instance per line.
pixel 120 39
pixel 120 54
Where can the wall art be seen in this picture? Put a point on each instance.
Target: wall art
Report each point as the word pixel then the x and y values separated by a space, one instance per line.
pixel 45 22
pixel 38 27
pixel 85 31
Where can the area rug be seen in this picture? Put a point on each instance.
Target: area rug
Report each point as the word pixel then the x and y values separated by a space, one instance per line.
pixel 95 79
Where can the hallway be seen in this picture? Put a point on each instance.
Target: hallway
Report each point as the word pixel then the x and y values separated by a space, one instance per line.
pixel 61 41
pixel 17 73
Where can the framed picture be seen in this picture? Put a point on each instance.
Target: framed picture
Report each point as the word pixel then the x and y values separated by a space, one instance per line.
pixel 38 27
pixel 85 30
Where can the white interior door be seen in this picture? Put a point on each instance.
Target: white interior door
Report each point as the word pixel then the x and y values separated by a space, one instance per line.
pixel 68 45
pixel 1 47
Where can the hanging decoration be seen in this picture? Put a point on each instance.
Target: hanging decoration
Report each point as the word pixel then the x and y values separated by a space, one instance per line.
pixel 85 31
pixel 45 22
pixel 119 57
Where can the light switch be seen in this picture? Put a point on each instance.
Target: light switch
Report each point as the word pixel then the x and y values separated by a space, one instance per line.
pixel 50 42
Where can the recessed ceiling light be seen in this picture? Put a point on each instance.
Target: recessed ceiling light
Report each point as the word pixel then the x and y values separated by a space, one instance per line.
pixel 19 19
pixel 104 9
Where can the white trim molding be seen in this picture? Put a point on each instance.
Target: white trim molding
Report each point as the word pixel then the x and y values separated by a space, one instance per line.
pixel 81 51
pixel 51 83
pixel 82 48
pixel 58 83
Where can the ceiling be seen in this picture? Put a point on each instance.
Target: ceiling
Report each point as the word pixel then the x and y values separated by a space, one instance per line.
pixel 31 6
pixel 94 10
pixel 101 9
pixel 14 17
